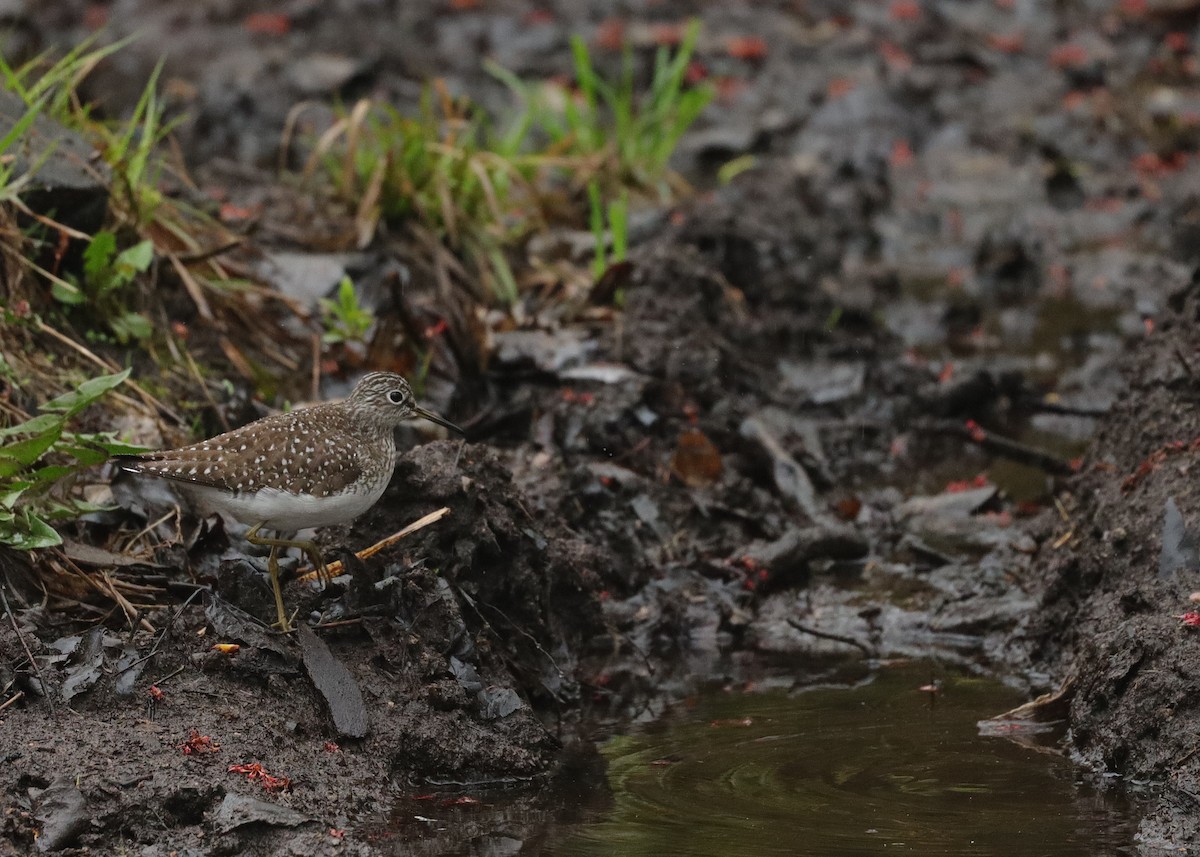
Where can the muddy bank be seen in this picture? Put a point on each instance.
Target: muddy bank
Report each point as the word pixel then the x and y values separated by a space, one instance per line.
pixel 455 637
pixel 1118 619
pixel 653 513
pixel 820 424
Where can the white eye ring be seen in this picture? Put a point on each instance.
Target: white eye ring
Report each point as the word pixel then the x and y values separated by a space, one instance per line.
pixel 395 397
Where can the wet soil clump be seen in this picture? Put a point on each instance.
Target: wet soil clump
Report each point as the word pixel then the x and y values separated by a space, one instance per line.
pixel 455 635
pixel 1118 619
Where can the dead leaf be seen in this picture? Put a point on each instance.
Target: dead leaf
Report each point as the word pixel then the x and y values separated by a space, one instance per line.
pixel 696 461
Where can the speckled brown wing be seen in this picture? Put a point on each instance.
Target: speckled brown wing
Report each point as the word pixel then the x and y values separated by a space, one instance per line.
pixel 312 451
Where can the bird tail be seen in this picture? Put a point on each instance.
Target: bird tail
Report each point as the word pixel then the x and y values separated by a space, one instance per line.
pixel 131 462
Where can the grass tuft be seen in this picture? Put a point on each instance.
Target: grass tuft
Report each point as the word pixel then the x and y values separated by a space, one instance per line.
pixel 481 193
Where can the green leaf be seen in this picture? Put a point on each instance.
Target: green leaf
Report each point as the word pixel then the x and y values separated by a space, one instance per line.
pixel 137 258
pixel 89 391
pixel 10 465
pixel 347 300
pixel 8 500
pixel 26 452
pixel 37 425
pixel 21 125
pixel 52 473
pixel 97 256
pixel 51 510
pixel 116 447
pixel 131 325
pixel 83 507
pixel 41 534
pixel 85 455
pixel 65 293
pixel 29 532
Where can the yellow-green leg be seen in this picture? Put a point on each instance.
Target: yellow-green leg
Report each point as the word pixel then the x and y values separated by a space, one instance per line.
pixel 284 624
pixel 318 561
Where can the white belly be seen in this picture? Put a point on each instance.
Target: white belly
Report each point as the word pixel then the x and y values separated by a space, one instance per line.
pixel 286 512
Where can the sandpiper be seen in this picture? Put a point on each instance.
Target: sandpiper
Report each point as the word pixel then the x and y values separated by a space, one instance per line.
pixel 307 468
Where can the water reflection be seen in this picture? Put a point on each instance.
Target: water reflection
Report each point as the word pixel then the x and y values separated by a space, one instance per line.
pixel 879 768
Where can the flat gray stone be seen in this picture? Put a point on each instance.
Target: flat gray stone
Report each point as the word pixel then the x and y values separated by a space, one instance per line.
pixel 62 810
pixel 239 810
pixel 335 683
pixel 68 182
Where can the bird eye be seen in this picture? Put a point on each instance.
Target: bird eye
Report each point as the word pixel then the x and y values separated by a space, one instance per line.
pixel 395 397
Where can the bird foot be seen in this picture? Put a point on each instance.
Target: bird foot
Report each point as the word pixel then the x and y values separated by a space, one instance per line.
pixel 284 624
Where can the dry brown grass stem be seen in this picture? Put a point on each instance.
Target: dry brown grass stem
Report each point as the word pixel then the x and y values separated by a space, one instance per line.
pixel 194 289
pixel 174 513
pixel 335 568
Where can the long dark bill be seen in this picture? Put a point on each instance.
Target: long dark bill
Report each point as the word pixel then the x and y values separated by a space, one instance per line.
pixel 434 418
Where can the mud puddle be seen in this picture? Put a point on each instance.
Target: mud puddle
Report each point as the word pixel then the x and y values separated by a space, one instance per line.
pixel 893 761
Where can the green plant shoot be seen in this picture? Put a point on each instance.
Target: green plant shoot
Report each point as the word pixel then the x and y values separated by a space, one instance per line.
pixel 346 320
pixel 37 455
pixel 107 276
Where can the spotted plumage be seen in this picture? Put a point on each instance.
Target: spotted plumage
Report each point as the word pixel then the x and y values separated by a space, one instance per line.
pixel 314 467
pixel 320 465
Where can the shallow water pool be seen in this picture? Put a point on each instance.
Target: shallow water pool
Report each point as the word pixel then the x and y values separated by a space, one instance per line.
pixel 882 767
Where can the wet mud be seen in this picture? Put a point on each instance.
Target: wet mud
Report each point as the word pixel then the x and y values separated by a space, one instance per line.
pixel 872 399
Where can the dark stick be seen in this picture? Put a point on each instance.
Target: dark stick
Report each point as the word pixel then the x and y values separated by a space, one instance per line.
pixel 21 638
pixel 1002 446
pixel 162 635
pixel 837 638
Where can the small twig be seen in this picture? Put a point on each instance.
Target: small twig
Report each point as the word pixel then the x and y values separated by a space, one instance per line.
pixel 1045 407
pixel 21 638
pixel 195 370
pixel 205 255
pixel 335 568
pixel 131 612
pixel 1003 447
pixel 18 695
pixel 513 625
pixel 64 604
pixel 147 399
pixel 146 529
pixel 357 620
pixel 107 587
pixel 289 131
pixel 167 677
pixel 235 356
pixel 267 349
pixel 162 635
pixel 1183 360
pixel 193 288
pixel 49 222
pixel 837 638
